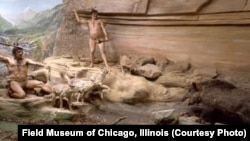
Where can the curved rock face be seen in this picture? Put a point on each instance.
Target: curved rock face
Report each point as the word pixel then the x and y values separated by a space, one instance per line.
pixel 213 33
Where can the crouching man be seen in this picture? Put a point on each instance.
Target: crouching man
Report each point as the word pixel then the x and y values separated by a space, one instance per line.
pixel 18 74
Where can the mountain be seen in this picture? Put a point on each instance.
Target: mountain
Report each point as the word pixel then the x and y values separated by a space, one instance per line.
pixel 27 14
pixel 4 24
pixel 47 20
pixel 21 20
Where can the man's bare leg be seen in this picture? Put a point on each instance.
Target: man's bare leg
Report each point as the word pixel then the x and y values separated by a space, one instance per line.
pixel 31 84
pixel 101 47
pixel 16 91
pixel 92 46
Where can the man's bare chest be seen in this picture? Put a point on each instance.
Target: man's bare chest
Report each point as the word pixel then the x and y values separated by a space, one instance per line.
pixel 21 62
pixel 94 24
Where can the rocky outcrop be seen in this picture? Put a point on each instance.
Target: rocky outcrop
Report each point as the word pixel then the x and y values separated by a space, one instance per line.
pixel 211 31
pixel 212 101
pixel 212 98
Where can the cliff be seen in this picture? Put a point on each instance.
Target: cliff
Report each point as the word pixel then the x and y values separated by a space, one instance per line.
pixel 214 33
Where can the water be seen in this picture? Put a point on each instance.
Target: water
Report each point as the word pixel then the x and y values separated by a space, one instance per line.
pixel 8 126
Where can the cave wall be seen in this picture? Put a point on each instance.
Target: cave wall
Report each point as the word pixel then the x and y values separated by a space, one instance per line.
pixel 213 33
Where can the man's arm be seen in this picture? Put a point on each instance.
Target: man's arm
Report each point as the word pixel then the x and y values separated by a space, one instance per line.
pixel 104 30
pixel 3 59
pixel 84 21
pixel 31 62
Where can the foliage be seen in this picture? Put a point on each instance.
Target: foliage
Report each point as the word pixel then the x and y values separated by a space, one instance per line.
pixel 4 24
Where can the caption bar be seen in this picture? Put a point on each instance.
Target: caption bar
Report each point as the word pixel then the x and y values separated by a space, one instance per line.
pixel 131 131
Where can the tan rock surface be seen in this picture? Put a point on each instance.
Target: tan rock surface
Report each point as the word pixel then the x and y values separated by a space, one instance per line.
pixel 212 31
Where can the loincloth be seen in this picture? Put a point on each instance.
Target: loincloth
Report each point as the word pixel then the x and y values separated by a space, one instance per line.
pixel 21 83
pixel 97 38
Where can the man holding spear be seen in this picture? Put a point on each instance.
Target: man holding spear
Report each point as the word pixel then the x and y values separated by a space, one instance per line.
pixel 98 35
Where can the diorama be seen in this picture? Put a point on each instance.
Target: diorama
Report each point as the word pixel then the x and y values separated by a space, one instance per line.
pixel 146 62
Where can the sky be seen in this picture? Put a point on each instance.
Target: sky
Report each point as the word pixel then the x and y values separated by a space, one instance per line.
pixel 10 7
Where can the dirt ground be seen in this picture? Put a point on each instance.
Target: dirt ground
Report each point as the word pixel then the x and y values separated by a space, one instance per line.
pixel 106 114
pixel 96 113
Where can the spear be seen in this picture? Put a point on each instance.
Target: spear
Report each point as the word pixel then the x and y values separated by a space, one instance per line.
pixel 11 45
pixel 100 41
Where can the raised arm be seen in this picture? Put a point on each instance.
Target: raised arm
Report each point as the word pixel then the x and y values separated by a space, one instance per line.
pixel 84 21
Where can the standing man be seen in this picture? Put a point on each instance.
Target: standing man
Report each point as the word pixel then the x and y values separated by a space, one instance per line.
pixel 98 35
pixel 18 74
